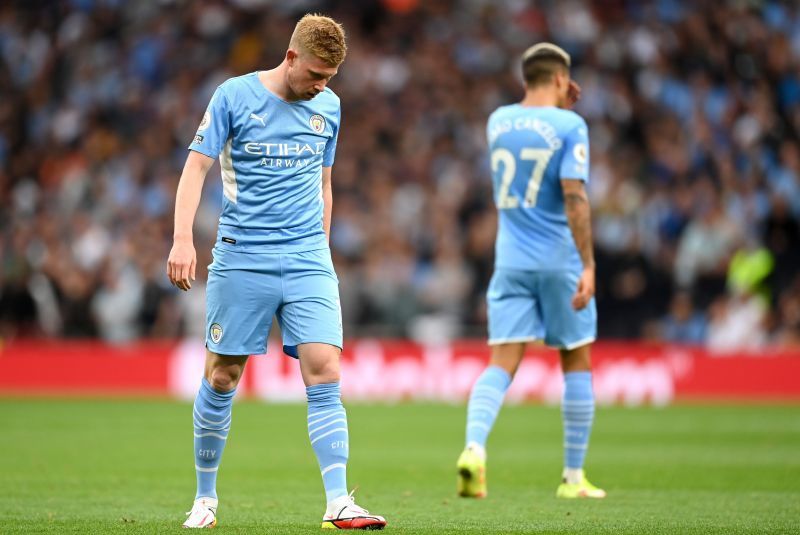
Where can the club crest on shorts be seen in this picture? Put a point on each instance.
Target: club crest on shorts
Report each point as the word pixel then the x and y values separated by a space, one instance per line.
pixel 216 332
pixel 317 123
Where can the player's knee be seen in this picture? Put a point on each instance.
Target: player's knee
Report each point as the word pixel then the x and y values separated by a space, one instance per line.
pixel 324 371
pixel 576 360
pixel 319 363
pixel 328 373
pixel 223 380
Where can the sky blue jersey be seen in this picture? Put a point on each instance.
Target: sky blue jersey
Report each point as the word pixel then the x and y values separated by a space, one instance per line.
pixel 271 153
pixel 532 149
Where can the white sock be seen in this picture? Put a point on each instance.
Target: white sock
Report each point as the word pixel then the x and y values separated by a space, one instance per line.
pixel 573 476
pixel 338 503
pixel 477 448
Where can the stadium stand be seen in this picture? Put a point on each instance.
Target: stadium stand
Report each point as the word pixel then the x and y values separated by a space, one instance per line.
pixel 695 126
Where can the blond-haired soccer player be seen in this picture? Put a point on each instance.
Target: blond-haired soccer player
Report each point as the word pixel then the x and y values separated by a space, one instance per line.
pixel 543 284
pixel 275 135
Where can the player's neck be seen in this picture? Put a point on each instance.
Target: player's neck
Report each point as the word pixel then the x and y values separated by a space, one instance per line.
pixel 275 81
pixel 540 97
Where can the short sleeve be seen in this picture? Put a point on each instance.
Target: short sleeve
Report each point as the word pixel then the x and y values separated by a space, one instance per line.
pixel 575 162
pixel 330 147
pixel 215 127
pixel 491 135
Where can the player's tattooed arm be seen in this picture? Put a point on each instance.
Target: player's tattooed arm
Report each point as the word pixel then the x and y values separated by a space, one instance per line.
pixel 579 217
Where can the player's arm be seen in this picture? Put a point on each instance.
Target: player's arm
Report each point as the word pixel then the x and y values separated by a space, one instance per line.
pixel 327 201
pixel 213 131
pixel 183 258
pixel 579 217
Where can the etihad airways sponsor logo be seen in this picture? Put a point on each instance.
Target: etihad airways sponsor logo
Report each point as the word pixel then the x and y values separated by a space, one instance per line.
pixel 284 149
pixel 288 162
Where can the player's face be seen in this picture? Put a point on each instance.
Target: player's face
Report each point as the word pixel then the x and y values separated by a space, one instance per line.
pixel 308 75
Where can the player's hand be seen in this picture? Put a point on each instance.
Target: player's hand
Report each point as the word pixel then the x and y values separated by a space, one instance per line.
pixel 585 290
pixel 181 264
pixel 573 93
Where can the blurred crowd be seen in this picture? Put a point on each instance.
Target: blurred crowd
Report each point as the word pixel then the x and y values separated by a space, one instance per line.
pixel 694 114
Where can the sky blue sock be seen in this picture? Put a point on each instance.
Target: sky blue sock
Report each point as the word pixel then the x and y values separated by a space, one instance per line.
pixel 485 402
pixel 212 421
pixel 327 430
pixel 577 411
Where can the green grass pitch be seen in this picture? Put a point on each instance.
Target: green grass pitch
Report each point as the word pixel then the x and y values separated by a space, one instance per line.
pixel 91 466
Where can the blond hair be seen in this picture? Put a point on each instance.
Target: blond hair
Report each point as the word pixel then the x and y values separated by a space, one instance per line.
pixel 321 36
pixel 541 61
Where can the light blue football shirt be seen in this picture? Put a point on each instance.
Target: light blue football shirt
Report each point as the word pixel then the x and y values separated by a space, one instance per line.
pixel 271 153
pixel 531 150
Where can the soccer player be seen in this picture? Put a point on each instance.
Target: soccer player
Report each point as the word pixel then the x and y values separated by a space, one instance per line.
pixel 543 283
pixel 275 134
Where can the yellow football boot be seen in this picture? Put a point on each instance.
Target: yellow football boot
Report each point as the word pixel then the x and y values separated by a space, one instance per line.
pixel 584 489
pixel 471 474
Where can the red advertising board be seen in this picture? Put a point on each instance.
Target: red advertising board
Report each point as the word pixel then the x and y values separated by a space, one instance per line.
pixel 387 370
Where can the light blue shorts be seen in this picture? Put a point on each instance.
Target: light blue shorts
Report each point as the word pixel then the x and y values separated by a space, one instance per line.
pixel 524 306
pixel 245 290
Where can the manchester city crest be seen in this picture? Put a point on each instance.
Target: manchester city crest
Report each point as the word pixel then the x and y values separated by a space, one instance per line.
pixel 216 332
pixel 317 123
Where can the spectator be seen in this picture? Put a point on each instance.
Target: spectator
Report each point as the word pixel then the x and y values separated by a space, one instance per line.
pixel 683 324
pixel 695 143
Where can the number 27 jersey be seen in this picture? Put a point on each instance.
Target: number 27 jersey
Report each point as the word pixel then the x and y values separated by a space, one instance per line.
pixel 531 150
